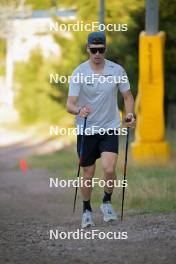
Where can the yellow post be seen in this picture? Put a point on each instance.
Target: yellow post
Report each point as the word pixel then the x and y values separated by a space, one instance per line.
pixel 149 145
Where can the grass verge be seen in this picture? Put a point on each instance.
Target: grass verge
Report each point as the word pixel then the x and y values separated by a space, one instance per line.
pixel 150 188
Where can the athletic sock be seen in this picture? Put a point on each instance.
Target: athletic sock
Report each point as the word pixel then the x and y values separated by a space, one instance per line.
pixel 107 197
pixel 87 206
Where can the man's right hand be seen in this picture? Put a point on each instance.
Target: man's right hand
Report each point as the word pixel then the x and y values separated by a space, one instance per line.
pixel 85 111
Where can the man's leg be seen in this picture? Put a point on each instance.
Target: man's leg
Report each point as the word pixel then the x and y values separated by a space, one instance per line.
pixel 108 161
pixel 88 173
pixel 89 156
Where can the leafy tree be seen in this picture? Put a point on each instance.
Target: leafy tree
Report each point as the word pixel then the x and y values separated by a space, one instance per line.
pixel 35 97
pixel 40 4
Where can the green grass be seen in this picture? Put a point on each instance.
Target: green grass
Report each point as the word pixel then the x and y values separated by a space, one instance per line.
pixel 150 188
pixel 63 162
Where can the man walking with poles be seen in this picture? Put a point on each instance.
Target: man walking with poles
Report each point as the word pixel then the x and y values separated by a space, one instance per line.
pixel 94 102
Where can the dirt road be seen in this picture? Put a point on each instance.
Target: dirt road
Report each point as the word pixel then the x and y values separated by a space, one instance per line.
pixel 29 209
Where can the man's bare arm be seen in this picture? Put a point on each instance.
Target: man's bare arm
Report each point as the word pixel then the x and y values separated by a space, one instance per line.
pixel 129 107
pixel 72 105
pixel 75 109
pixel 128 101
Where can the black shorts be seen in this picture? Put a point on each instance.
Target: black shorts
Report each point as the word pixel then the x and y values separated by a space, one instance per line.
pixel 94 145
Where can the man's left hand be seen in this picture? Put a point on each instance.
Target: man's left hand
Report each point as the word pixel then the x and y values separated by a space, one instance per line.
pixel 130 120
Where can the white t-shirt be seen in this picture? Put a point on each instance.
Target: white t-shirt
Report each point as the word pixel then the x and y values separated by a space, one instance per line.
pixel 99 92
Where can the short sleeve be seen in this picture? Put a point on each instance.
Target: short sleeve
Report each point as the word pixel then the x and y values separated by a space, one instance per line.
pixel 124 84
pixel 74 84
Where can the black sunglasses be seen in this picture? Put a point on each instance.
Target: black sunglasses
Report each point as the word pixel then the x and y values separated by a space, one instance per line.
pixel 100 50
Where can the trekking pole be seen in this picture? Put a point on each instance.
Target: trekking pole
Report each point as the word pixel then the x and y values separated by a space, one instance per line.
pixel 80 160
pixel 125 169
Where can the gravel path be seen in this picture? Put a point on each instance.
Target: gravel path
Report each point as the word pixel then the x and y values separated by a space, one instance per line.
pixel 30 209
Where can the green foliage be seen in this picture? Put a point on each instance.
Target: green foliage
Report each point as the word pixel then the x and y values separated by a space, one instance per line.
pixel 2 49
pixel 36 4
pixel 34 100
pixel 2 56
pixel 42 4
